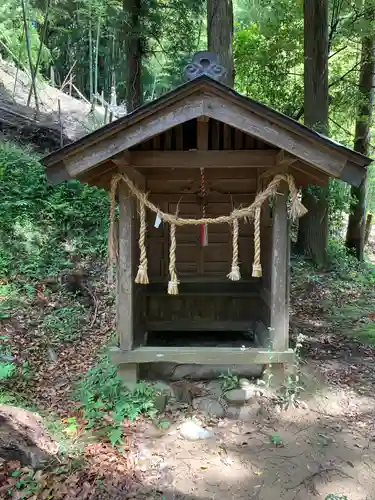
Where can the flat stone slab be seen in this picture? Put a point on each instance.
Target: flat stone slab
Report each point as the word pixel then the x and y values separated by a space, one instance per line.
pixel 209 406
pixel 174 372
pixel 246 413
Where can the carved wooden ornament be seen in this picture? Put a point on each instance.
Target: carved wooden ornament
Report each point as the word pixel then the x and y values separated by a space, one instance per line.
pixel 204 63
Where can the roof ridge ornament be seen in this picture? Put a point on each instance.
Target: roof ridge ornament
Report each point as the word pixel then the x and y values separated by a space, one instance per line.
pixel 204 63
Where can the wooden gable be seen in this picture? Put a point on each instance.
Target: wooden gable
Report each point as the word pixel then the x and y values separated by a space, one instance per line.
pixel 237 124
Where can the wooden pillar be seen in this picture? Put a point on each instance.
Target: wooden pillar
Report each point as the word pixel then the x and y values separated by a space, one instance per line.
pixel 125 280
pixel 279 299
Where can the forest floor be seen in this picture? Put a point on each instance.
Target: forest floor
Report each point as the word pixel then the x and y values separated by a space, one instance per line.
pixel 324 446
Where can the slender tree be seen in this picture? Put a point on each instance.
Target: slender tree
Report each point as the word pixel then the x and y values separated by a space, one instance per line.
pixel 220 34
pixel 313 227
pixel 355 236
pixel 133 50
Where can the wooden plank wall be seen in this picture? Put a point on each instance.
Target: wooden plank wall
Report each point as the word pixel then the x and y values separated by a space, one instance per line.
pixel 226 189
pixel 193 260
pixel 221 137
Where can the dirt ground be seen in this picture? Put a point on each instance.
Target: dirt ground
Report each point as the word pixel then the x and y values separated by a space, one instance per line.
pixel 324 447
pixel 328 447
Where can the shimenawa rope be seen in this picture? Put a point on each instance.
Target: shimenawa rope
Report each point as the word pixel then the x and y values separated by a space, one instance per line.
pixel 257 266
pixel 253 210
pixel 142 276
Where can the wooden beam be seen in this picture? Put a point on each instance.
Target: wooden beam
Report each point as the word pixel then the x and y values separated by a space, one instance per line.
pixel 201 325
pixel 94 175
pixel 352 174
pixel 134 176
pixel 201 355
pixel 202 133
pixel 308 175
pixel 209 159
pixel 279 313
pixel 125 271
pixel 58 173
pixel 260 127
pixel 152 125
pixel 192 174
pixel 285 159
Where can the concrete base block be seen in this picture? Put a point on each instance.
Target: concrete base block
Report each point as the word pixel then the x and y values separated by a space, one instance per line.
pixel 173 371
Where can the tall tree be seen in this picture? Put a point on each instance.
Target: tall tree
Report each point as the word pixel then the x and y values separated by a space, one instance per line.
pixel 313 227
pixel 133 48
pixel 220 34
pixel 357 219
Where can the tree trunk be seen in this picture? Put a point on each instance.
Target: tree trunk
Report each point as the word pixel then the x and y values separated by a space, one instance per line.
pixel 133 50
pixel 313 227
pixel 220 35
pixel 355 235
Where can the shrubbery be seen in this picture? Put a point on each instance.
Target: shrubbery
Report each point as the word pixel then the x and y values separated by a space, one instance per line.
pixel 42 226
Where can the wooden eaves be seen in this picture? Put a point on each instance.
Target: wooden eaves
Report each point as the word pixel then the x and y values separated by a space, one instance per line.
pixel 204 97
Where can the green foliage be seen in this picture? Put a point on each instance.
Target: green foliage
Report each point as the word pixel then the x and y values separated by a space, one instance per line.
pixel 12 36
pixel 268 53
pixel 276 440
pixel 6 370
pixel 334 496
pixel 106 402
pixel 291 391
pixel 64 324
pixel 228 381
pixel 346 291
pixel 43 226
pixel 26 485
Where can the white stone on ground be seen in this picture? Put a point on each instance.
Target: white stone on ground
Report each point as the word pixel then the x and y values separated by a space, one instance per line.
pixel 193 432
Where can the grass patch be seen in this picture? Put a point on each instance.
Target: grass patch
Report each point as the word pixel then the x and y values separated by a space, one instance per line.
pixel 105 402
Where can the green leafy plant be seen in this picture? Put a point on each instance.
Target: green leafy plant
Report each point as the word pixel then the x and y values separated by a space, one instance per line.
pixel 6 370
pixel 105 402
pixel 42 226
pixel 64 324
pixel 292 387
pixel 228 381
pixel 276 440
pixel 334 496
pixel 27 484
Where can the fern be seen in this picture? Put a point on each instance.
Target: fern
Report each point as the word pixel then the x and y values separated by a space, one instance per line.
pixel 7 370
pixel 103 395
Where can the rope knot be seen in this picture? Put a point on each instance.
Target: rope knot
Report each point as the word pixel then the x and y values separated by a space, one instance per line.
pixel 142 276
pixel 235 274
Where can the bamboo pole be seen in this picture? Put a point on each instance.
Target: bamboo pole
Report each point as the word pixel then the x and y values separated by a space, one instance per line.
pixel 91 61
pixel 97 56
pixel 28 47
pixel 35 72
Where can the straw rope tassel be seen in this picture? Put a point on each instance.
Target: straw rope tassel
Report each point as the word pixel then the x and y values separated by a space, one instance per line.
pixel 235 274
pixel 297 209
pixel 257 266
pixel 112 240
pixel 142 276
pixel 173 281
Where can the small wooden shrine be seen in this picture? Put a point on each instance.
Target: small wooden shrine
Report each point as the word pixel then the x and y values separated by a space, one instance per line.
pixel 206 182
